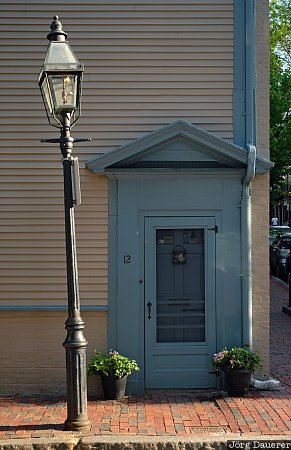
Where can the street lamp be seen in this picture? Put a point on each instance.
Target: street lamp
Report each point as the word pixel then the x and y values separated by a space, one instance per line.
pixel 60 85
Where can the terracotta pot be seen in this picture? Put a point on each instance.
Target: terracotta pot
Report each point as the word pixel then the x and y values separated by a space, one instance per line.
pixel 238 381
pixel 113 387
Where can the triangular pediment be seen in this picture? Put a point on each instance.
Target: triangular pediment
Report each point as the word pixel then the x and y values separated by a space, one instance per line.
pixel 178 145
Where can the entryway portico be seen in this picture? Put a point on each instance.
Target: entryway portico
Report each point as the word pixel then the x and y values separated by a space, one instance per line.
pixel 175 252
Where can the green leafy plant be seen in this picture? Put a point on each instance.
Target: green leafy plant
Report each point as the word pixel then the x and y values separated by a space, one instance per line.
pixel 111 363
pixel 237 358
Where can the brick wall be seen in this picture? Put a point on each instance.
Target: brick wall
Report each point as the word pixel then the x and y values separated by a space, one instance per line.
pixel 260 194
pixel 32 350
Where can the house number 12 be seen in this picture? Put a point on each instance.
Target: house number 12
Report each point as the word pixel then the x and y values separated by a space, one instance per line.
pixel 126 259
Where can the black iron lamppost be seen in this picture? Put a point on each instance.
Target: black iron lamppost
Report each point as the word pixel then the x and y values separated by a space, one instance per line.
pixel 60 84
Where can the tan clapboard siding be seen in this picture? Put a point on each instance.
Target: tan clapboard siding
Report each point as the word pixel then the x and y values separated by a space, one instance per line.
pixel 32 259
pixel 147 63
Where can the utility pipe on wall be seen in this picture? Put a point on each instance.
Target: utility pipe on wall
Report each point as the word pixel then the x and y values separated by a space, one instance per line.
pixel 250 138
pixel 246 251
pixel 246 258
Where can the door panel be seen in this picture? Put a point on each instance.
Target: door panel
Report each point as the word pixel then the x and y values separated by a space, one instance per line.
pixel 180 302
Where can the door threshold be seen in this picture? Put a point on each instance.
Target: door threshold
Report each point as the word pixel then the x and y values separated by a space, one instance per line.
pixel 207 392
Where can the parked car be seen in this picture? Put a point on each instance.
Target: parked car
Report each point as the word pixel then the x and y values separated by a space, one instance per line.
pixel 279 252
pixel 278 230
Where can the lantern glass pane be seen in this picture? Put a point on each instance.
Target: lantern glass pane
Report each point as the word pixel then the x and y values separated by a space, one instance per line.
pixel 64 92
pixel 47 94
pixel 61 56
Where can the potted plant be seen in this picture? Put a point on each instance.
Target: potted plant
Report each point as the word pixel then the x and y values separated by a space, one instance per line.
pixel 238 364
pixel 114 369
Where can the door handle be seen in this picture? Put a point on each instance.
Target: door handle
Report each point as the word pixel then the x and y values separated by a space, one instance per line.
pixel 149 305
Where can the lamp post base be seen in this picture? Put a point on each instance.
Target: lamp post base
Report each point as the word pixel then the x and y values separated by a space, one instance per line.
pixel 77 425
pixel 75 345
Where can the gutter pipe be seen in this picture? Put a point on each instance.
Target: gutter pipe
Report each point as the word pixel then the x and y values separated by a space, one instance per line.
pixel 246 235
pixel 250 138
pixel 246 251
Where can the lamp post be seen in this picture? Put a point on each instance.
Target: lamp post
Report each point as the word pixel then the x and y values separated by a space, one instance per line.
pixel 60 85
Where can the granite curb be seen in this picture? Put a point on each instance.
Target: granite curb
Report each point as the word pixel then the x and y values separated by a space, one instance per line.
pixel 199 442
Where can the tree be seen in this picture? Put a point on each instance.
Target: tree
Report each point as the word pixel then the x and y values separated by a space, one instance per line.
pixel 280 28
pixel 280 95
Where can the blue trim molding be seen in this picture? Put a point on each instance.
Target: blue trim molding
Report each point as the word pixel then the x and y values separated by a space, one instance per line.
pixel 99 308
pixel 179 134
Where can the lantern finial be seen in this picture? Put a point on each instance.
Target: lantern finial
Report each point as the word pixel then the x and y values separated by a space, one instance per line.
pixel 57 33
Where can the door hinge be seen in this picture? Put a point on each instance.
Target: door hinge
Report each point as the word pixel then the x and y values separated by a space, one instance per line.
pixel 214 229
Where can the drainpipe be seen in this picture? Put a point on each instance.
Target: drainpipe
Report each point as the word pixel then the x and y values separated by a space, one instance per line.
pixel 250 138
pixel 246 258
pixel 246 235
pixel 246 250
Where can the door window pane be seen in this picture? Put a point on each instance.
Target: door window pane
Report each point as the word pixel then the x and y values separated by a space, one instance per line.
pixel 180 286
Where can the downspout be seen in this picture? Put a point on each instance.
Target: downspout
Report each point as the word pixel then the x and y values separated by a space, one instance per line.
pixel 246 250
pixel 246 258
pixel 250 139
pixel 246 228
pixel 247 280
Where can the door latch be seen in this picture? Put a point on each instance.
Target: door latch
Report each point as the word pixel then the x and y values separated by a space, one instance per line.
pixel 149 305
pixel 215 229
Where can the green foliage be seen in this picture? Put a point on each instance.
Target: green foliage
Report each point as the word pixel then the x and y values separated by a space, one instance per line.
pixel 280 30
pixel 111 364
pixel 236 358
pixel 280 95
pixel 280 128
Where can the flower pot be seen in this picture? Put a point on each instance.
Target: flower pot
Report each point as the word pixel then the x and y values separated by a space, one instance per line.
pixel 113 387
pixel 238 381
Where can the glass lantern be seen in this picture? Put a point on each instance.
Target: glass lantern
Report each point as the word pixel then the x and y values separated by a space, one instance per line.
pixel 60 83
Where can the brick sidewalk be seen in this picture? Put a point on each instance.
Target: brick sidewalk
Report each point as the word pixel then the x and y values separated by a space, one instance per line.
pixel 280 334
pixel 172 413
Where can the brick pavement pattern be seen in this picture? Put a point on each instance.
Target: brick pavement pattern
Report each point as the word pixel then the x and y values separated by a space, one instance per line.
pixel 280 333
pixel 172 412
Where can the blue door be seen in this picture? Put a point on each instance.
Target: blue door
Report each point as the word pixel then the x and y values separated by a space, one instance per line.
pixel 180 318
